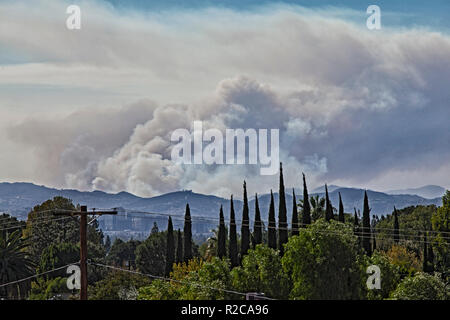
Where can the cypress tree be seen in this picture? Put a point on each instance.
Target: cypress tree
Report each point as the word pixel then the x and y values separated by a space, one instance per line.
pixel 257 230
pixel 294 215
pixel 306 212
pixel 187 235
pixel 328 207
pixel 282 214
pixel 272 233
pixel 341 210
pixel 356 226
pixel 396 227
pixel 373 231
pixel 222 236
pixel 107 244
pixel 366 234
pixel 425 253
pixel 170 249
pixel 179 254
pixel 245 227
pixel 430 256
pixel 233 247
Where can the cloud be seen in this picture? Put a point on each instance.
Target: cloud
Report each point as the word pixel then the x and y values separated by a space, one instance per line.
pixel 350 104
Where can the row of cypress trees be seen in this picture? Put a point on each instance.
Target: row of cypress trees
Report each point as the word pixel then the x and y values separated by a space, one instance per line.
pixel 183 242
pixel 276 237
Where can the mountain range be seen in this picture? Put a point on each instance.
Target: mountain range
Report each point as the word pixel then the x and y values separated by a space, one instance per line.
pixel 19 198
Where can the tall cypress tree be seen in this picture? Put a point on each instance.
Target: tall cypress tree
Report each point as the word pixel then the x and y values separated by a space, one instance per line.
pixel 356 226
pixel 245 227
pixel 430 256
pixel 328 206
pixel 179 254
pixel 222 236
pixel 170 249
pixel 341 209
pixel 187 235
pixel 294 215
pixel 306 212
pixel 396 227
pixel 233 247
pixel 272 232
pixel 366 234
pixel 257 230
pixel 282 214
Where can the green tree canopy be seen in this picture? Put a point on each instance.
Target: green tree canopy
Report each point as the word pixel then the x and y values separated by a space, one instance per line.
pixel 322 262
pixel 421 286
pixel 261 272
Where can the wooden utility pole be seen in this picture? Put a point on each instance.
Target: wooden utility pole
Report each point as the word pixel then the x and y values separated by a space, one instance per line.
pixel 83 213
pixel 83 253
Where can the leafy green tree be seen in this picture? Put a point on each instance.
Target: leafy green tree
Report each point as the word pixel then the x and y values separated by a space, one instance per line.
pixel 272 233
pixel 257 231
pixel 45 228
pixel 196 280
pixel 306 212
pixel 282 215
pixel 341 216
pixel 51 289
pixel 328 206
pixel 151 254
pixel 170 248
pixel 123 253
pixel 118 285
pixel 187 234
pixel 9 224
pixel 233 246
pixel 421 286
pixel 245 227
pixel 58 255
pixel 15 264
pixel 222 236
pixel 390 276
pixel 294 215
pixel 323 262
pixel 405 259
pixel 262 272
pixel 366 232
pixel 56 229
pixel 413 221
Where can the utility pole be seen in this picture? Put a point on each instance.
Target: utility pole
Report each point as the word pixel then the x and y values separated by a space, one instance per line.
pixel 83 213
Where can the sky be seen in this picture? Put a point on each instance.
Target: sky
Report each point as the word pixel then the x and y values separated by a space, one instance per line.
pixel 94 109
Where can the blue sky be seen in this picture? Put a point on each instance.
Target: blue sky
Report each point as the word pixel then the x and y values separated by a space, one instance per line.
pixel 432 13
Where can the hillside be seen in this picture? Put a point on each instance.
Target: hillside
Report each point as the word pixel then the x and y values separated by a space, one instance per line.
pixel 18 199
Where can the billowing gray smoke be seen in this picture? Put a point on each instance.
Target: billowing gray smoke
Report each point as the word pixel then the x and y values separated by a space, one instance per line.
pixel 352 106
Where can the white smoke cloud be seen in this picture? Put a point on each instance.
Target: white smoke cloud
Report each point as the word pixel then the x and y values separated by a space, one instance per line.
pixel 351 104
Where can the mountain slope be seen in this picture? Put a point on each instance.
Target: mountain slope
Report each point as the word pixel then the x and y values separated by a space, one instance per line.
pixel 429 191
pixel 19 198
